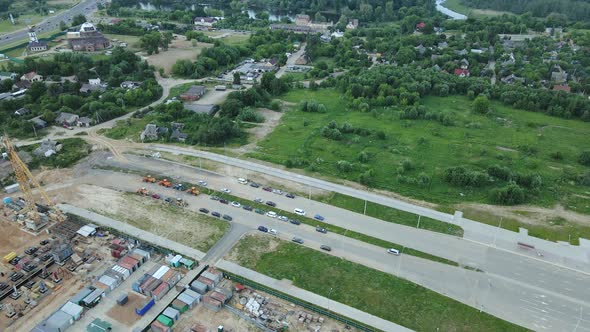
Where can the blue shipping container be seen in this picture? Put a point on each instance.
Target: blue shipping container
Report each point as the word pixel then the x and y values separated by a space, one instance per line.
pixel 145 308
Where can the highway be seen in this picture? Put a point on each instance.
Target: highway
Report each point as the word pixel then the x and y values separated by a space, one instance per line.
pixel 526 291
pixel 51 23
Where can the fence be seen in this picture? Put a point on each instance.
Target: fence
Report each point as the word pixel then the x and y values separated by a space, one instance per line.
pixel 299 302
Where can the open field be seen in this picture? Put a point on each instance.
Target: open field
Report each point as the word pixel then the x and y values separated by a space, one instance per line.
pixel 519 140
pixel 459 7
pixel 378 293
pixel 132 41
pixel 196 231
pixel 179 49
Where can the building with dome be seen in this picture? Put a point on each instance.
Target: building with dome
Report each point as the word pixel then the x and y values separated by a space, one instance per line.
pixel 88 39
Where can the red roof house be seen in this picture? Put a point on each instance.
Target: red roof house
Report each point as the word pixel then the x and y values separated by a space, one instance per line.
pixel 461 72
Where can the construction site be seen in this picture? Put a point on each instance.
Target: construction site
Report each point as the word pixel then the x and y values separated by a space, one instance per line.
pixel 62 272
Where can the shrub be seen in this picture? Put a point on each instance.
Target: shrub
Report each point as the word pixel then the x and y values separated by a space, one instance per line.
pixel 459 176
pixel 367 177
pixel 509 195
pixel 344 166
pixel 312 106
pixel 557 155
pixel 500 172
pixel 584 158
pixel 250 115
pixel 275 105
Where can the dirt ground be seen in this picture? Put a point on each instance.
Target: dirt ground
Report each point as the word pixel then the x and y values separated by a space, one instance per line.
pixel 179 49
pixel 211 320
pixel 126 314
pixel 13 239
pixel 257 133
pixel 151 215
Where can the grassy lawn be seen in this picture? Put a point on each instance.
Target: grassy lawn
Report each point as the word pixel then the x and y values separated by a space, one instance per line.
pixel 73 149
pixel 132 41
pixel 459 7
pixel 372 291
pixel 129 128
pixel 236 39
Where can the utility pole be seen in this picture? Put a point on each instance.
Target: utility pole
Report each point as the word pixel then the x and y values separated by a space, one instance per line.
pixel 418 226
pixel 365 210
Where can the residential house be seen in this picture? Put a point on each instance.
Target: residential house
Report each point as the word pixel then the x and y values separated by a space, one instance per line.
pixel 89 88
pixel 302 19
pixel 325 38
pixel 94 81
pixel 21 85
pixel 149 133
pixel 421 49
pixel 37 46
pixel 205 21
pixel 4 75
pixel 443 45
pixel 462 52
pixel 479 50
pixel 162 131
pixel 38 122
pixel 464 63
pixel 558 75
pixel 67 119
pixel 511 79
pixel 130 85
pixel 177 135
pixel 420 26
pixel 47 148
pixel 176 125
pixel 461 72
pixel 353 23
pixel 202 109
pixel 195 92
pixel 22 111
pixel 32 77
pixel 84 122
pixel 562 87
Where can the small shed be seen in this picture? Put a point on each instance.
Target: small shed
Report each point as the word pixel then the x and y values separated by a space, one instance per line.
pixel 142 252
pixel 87 230
pixel 189 300
pixel 193 294
pixel 122 299
pixel 180 306
pixel 172 313
pixel 161 271
pixel 111 282
pixel 60 321
pixel 175 262
pixel 187 263
pixel 199 287
pixel 73 310
pixel 77 299
pixel 165 320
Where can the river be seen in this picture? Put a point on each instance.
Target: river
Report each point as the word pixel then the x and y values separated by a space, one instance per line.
pixel 448 12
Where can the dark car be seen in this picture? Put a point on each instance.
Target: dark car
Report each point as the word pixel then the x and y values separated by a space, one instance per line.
pixel 203 210
pixel 31 250
pixel 228 218
pixel 29 267
pixel 270 203
pixel 325 247
pixel 30 284
pixel 290 195
pixel 223 201
pixel 216 214
pixel 156 196
pixel 267 189
pixel 297 240
pixel 45 257
pixel 321 229
pixel 247 207
pixel 260 211
pixel 318 217
pixel 3 285
pixel 16 276
pixel 254 185
pixel 295 221
pixel 263 229
pixel 44 242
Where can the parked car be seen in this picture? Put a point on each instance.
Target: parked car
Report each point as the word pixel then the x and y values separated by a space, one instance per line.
pixel 236 204
pixel 258 200
pixel 295 221
pixel 271 203
pixel 203 210
pixel 202 183
pixel 277 191
pixel 223 201
pixel 393 251
pixel 321 229
pixel 300 212
pixel 254 185
pixel 31 250
pixel 297 240
pixel 267 188
pixel 271 214
pixel 215 198
pixel 263 229
pixel 156 196
pixel 259 211
pixel 216 214
pixel 3 286
pixel 318 217
pixel 273 231
pixel 242 181
pixel 226 190
pixel 283 218
pixel 289 195
pixel 45 257
pixel 325 247
pixel 228 218
pixel 44 242
pixel 247 207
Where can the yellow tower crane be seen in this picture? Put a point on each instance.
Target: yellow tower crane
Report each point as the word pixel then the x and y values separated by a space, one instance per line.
pixel 27 184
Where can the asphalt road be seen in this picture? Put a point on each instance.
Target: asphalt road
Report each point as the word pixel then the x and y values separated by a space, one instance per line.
pixel 51 23
pixel 528 292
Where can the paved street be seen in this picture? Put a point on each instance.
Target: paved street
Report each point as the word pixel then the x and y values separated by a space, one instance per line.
pixel 291 61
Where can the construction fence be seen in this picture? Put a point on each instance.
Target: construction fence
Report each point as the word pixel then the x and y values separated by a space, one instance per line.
pixel 296 301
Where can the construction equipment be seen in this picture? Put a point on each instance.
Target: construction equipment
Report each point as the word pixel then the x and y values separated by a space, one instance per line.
pixel 27 184
pixel 193 191
pixel 149 179
pixel 143 191
pixel 165 183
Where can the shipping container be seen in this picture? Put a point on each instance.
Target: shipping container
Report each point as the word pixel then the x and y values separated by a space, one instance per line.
pixel 93 298
pixel 172 277
pixel 121 271
pixel 193 294
pixel 60 321
pixel 154 269
pixel 77 299
pixel 165 320
pixel 143 253
pixel 146 284
pixel 189 300
pixel 9 257
pixel 199 287
pixel 148 291
pixel 132 262
pixel 156 326
pixel 99 285
pixel 135 285
pixel 175 261
pixel 73 310
pixel 211 303
pixel 210 284
pixel 172 313
pixel 187 263
pixel 218 296
pixel 109 281
pixel 159 292
pixel 161 271
pixel 216 277
pixel 180 306
pixel 127 265
pixel 12 188
pixel 145 307
pixel 141 259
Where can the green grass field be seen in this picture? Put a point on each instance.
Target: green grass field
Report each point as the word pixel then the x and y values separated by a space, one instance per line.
pixel 459 7
pixel 520 140
pixel 372 291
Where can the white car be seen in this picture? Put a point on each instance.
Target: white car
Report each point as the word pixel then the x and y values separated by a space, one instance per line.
pixel 236 204
pixel 300 212
pixel 283 218
pixel 271 214
pixel 225 190
pixel 277 191
pixel 273 231
pixel 202 183
pixel 393 251
pixel 242 181
pixel 259 200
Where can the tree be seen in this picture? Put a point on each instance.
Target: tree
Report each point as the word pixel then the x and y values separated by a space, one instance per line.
pixel 49 116
pixel 62 25
pixel 150 42
pixel 481 105
pixel 584 158
pixel 237 78
pixel 36 90
pixel 78 19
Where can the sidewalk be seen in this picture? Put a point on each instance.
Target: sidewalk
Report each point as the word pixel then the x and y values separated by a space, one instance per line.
pixel 133 231
pixel 312 298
